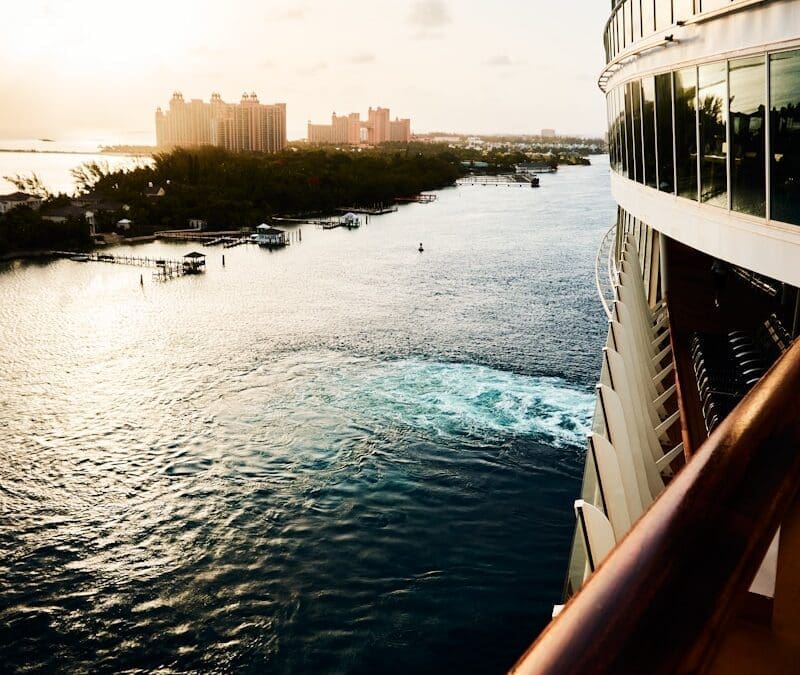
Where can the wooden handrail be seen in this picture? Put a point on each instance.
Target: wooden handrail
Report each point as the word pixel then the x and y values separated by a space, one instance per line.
pixel 663 598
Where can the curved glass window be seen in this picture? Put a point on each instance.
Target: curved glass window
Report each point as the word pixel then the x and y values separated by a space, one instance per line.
pixel 686 131
pixel 623 136
pixel 636 101
pixel 666 166
pixel 636 19
pixel 784 119
pixel 629 137
pixel 748 170
pixel 712 96
pixel 649 130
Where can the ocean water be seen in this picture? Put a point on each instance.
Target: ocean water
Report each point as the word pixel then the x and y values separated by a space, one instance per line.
pixel 340 457
pixel 53 161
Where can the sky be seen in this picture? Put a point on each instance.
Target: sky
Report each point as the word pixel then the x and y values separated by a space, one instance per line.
pixel 99 68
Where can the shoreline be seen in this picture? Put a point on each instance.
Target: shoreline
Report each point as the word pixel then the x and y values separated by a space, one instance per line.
pixel 31 151
pixel 39 253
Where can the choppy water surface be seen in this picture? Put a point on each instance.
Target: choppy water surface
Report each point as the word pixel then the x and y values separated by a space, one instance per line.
pixel 344 456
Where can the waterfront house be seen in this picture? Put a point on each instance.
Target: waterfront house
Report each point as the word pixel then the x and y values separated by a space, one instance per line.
pixel 124 224
pixel 197 224
pixel 270 236
pixel 154 192
pixel 60 214
pixel 10 201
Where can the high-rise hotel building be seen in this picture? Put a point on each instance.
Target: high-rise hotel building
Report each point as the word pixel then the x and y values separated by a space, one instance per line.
pixel 351 130
pixel 239 127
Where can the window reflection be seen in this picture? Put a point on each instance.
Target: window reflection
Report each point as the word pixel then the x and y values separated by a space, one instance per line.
pixel 636 101
pixel 784 105
pixel 686 132
pixel 748 194
pixel 629 140
pixel 623 155
pixel 712 85
pixel 666 166
pixel 649 130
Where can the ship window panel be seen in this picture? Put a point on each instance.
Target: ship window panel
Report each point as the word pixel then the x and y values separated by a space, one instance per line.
pixel 666 167
pixel 748 179
pixel 649 130
pixel 683 9
pixel 623 136
pixel 612 130
pixel 784 116
pixel 636 102
pixel 712 97
pixel 636 18
pixel 648 17
pixel 621 167
pixel 629 138
pixel 663 14
pixel 686 132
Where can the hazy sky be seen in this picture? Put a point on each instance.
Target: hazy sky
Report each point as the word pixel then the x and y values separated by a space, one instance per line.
pixel 98 68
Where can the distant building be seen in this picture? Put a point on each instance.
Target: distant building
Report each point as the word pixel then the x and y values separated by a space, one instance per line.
pixel 400 130
pixel 320 134
pixel 10 201
pixel 246 126
pixel 548 133
pixel 377 125
pixel 351 130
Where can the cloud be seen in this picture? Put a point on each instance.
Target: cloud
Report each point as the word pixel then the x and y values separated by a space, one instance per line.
pixel 318 67
pixel 429 17
pixel 362 58
pixel 500 61
pixel 292 14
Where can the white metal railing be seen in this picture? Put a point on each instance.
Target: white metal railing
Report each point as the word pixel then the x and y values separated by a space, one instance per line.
pixel 605 282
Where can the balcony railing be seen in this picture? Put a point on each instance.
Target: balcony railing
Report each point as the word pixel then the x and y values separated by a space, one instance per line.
pixel 634 20
pixel 664 598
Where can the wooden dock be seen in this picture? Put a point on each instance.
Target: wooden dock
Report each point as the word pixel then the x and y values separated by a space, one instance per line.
pixel 506 180
pixel 423 198
pixel 324 223
pixel 370 211
pixel 164 268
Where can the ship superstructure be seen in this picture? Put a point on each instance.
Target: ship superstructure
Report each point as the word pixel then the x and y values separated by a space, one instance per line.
pixel 686 555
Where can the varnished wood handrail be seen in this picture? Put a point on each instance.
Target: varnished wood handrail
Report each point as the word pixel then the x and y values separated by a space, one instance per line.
pixel 662 599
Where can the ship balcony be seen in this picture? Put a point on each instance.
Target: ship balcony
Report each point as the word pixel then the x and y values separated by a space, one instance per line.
pixel 687 550
pixel 638 25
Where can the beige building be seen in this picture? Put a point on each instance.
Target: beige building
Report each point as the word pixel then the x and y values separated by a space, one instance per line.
pixel 320 134
pixel 400 130
pixel 249 126
pixel 351 130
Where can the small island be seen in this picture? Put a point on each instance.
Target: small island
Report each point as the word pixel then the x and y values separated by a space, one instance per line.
pixel 226 191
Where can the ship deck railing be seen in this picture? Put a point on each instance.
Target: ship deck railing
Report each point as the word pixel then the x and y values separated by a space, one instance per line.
pixel 706 578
